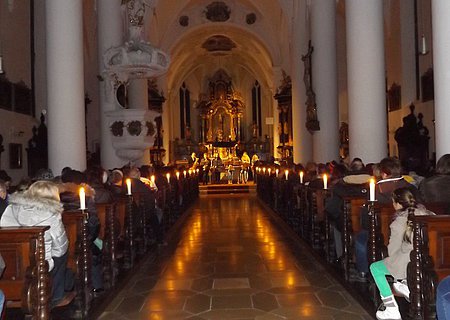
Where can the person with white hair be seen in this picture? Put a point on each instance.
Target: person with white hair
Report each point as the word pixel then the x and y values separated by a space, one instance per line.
pixel 40 206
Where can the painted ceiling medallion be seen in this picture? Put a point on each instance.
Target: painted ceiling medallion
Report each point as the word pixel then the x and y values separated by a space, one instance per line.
pixel 217 11
pixel 218 43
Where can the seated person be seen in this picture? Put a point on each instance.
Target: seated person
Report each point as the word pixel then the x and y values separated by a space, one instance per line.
pixel 399 249
pixel 436 188
pixel 97 178
pixel 72 181
pixel 443 299
pixel 353 184
pixel 115 182
pixel 391 179
pixel 40 206
pixel 3 197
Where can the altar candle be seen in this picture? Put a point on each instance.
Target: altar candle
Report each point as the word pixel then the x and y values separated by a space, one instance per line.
pixel 372 190
pixel 276 171
pixel 301 176
pixel 264 170
pixel 269 170
pixel 190 172
pixel 184 173
pixel 178 175
pixel 82 199
pixel 286 173
pixel 325 180
pixel 198 171
pixel 168 177
pixel 152 178
pixel 128 182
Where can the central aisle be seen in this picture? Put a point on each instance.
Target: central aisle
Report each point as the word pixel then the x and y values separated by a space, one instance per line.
pixel 229 261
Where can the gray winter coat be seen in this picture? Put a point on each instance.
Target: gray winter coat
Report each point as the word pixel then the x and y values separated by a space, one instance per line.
pixel 398 248
pixel 27 211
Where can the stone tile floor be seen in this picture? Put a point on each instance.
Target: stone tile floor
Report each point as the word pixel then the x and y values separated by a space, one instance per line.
pixel 230 261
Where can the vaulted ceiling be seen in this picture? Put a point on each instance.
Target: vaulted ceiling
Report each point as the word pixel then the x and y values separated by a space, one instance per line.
pixel 258 29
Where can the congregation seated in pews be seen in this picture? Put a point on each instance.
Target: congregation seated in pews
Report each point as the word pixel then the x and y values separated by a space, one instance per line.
pixel 346 214
pixel 64 247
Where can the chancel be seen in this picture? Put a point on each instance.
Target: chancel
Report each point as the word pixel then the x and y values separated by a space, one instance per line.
pixel 238 159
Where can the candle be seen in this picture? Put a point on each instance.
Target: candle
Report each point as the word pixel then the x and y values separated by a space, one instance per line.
pixel 152 179
pixel 190 172
pixel 178 175
pixel 424 45
pixel 372 190
pixel 82 199
pixel 184 173
pixel 168 177
pixel 128 182
pixel 269 170
pixel 325 180
pixel 276 171
pixel 286 173
pixel 264 170
pixel 301 176
pixel 198 171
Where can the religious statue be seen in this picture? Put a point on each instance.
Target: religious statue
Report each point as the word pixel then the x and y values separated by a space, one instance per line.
pixel 312 123
pixel 412 141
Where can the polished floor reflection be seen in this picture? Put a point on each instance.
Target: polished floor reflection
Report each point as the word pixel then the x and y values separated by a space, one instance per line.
pixel 229 261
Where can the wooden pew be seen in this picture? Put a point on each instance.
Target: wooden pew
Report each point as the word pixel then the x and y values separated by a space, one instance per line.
pixel 319 223
pixel 80 259
pixel 303 210
pixel 352 225
pixel 142 215
pixel 430 263
pixel 109 233
pixel 380 217
pixel 26 281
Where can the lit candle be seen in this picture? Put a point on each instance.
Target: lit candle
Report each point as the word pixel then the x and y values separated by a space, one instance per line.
pixel 372 190
pixel 178 175
pixel 190 172
pixel 269 170
pixel 325 180
pixel 276 172
pixel 128 182
pixel 198 171
pixel 184 173
pixel 152 178
pixel 168 177
pixel 264 170
pixel 301 176
pixel 82 199
pixel 286 173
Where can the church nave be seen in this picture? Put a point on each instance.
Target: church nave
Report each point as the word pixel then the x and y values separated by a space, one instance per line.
pixel 229 260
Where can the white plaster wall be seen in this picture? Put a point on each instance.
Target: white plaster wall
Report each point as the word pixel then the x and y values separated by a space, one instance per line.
pixel 15 128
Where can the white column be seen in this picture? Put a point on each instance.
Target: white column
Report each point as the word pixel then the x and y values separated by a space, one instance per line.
pixel 440 10
pixel 302 141
pixel 65 85
pixel 277 78
pixel 110 34
pixel 366 80
pixel 324 76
